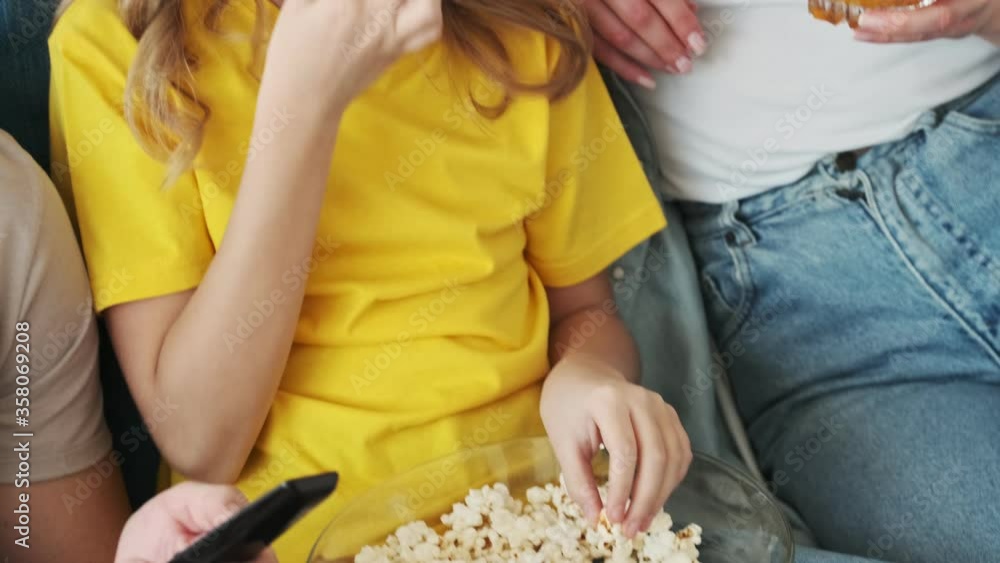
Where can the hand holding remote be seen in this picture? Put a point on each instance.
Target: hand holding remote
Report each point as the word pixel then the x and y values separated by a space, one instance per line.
pixel 175 519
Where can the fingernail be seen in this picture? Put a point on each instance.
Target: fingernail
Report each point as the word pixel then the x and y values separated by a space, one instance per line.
pixel 697 43
pixel 683 65
pixel 629 529
pixel 872 22
pixel 646 82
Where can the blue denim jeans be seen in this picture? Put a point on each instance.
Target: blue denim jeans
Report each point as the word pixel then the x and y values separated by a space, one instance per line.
pixel 857 312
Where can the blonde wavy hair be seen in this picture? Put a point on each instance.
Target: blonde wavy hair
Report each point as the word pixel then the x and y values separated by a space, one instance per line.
pixel 168 120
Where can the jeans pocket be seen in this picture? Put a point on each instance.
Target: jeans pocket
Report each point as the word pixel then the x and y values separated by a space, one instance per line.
pixel 958 163
pixel 963 239
pixel 979 112
pixel 727 290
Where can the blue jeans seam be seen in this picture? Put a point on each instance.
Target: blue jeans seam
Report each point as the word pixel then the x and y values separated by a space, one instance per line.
pixel 947 306
pixel 925 196
pixel 955 118
pixel 741 312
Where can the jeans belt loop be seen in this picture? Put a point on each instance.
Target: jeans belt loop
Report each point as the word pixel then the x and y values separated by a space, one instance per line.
pixel 737 232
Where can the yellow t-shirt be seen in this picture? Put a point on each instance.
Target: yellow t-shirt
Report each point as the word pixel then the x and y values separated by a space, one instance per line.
pixel 425 323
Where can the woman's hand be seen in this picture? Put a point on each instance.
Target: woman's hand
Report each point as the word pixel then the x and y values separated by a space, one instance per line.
pixel 943 19
pixel 331 51
pixel 176 518
pixel 585 403
pixel 633 34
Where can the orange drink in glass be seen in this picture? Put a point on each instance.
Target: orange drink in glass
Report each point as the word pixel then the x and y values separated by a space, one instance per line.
pixel 837 11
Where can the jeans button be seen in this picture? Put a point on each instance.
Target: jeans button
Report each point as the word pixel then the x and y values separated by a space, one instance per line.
pixel 731 238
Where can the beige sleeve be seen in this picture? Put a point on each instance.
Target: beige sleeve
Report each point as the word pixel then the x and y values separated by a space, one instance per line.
pixel 43 282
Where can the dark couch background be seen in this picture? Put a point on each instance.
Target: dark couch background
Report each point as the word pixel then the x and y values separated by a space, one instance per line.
pixel 24 113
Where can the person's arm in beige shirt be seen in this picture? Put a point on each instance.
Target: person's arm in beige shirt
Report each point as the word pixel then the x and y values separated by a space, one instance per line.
pixel 76 504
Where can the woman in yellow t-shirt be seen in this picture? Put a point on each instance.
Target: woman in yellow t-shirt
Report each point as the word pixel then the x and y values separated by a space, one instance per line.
pixel 379 244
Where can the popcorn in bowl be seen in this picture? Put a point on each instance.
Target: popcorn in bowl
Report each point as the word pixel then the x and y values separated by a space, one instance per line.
pixel 491 526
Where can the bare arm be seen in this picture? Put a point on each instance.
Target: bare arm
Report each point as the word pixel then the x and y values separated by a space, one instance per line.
pixel 172 348
pixel 590 398
pixel 584 319
pixel 61 494
pixel 64 527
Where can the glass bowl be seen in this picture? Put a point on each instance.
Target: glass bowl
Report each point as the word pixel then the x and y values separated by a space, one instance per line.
pixel 741 524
